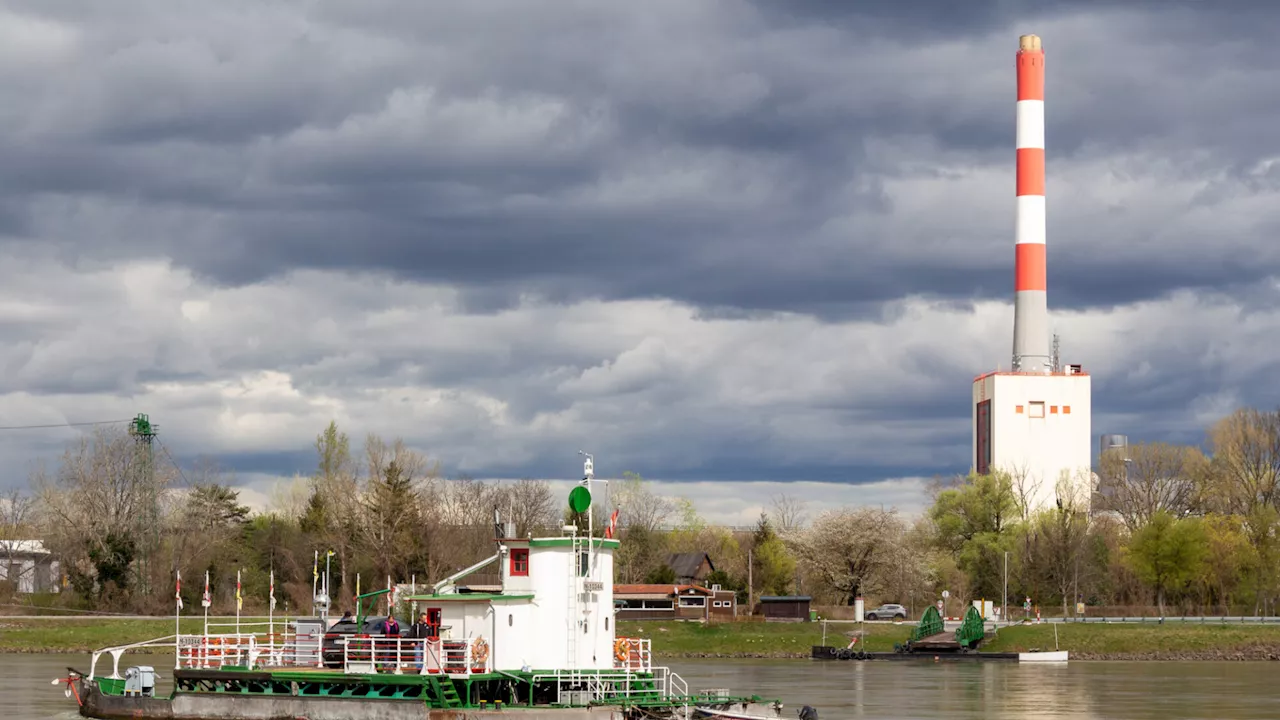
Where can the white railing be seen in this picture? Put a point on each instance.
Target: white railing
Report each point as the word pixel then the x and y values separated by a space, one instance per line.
pixel 632 654
pixel 215 651
pixel 397 655
pixel 671 683
pixel 579 687
pixel 167 641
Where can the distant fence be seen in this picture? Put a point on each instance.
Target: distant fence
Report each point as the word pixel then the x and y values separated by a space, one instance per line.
pixel 1092 613
pixel 1180 619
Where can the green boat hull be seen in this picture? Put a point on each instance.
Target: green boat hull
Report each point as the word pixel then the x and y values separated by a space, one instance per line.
pixel 231 694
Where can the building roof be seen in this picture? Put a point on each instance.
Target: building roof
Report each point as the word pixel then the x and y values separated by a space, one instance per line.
pixel 659 590
pixel 686 564
pixel 785 598
pixel 471 597
pixel 27 547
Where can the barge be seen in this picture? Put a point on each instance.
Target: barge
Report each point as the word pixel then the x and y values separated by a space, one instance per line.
pixel 543 646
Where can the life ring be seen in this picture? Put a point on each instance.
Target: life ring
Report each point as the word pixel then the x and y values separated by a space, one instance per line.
pixel 480 650
pixel 621 650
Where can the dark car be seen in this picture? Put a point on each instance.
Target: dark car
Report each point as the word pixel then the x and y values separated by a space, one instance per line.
pixel 335 638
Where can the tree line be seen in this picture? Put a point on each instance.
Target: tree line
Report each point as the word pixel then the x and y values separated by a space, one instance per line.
pixel 1171 527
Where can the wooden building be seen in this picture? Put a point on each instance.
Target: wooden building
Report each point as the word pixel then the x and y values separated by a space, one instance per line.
pixel 672 602
pixel 784 608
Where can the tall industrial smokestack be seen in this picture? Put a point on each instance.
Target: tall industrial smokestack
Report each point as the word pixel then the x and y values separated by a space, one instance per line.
pixel 1030 309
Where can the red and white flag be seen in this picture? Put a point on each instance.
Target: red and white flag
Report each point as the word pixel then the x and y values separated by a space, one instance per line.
pixel 177 589
pixel 613 522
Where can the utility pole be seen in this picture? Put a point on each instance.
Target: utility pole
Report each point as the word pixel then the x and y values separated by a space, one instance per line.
pixel 751 602
pixel 1004 602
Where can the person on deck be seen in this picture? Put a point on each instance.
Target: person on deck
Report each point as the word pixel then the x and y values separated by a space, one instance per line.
pixel 391 629
pixel 420 632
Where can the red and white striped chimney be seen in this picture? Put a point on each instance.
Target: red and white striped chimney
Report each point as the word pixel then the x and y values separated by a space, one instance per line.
pixel 1030 309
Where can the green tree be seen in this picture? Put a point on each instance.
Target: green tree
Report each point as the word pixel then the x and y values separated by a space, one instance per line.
pixel 773 568
pixel 973 523
pixel 1229 555
pixel 661 575
pixel 215 507
pixel 1168 553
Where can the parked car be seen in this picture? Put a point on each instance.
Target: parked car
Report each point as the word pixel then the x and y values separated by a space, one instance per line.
pixel 336 636
pixel 888 611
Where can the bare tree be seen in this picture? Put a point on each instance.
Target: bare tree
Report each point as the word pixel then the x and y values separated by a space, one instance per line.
pixel 288 498
pixel 101 509
pixel 639 506
pixel 1026 486
pixel 529 504
pixel 787 513
pixel 15 525
pixel 1059 540
pixel 1245 472
pixel 1154 477
pixel 15 515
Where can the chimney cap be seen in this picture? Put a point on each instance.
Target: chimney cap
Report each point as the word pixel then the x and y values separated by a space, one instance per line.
pixel 1029 43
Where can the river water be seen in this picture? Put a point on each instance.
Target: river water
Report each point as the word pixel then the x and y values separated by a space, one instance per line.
pixel 879 690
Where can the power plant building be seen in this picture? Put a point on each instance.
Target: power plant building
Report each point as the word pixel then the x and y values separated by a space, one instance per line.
pixel 1034 421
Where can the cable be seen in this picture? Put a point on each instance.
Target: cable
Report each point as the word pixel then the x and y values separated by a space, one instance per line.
pixel 61 425
pixel 181 474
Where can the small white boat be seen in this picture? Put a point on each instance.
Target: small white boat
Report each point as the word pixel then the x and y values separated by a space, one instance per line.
pixel 1052 656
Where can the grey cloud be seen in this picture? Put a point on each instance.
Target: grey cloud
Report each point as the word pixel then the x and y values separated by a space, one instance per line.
pixel 698 152
pixel 681 233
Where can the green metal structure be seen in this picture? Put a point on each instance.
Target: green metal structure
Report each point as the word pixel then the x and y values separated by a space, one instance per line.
pixel 360 606
pixel 930 625
pixel 972 629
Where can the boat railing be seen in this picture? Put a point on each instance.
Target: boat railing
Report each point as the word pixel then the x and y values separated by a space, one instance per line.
pixel 366 654
pixel 633 654
pixel 115 652
pixel 217 650
pixel 671 683
pixel 581 687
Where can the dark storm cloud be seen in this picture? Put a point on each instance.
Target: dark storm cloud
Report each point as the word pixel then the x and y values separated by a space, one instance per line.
pixel 694 151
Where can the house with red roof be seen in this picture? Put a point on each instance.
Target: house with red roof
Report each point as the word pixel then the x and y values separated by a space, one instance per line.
pixel 673 602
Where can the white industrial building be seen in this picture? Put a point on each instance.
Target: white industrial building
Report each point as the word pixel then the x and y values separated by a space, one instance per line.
pixel 1037 427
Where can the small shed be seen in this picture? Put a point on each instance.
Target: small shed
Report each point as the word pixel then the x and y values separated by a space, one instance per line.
pixel 784 608
pixel 29 566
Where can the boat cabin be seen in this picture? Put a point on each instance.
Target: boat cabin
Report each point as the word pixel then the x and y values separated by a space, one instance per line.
pixel 554 608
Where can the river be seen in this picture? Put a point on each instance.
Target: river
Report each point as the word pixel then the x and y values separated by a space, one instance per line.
pixel 879 690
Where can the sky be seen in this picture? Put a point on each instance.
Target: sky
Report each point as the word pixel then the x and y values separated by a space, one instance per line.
pixel 741 248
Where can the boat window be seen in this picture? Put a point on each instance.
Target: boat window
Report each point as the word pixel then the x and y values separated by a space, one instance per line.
pixel 606 624
pixel 511 620
pixel 520 561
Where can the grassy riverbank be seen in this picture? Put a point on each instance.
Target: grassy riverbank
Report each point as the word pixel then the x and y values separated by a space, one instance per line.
pixel 77 635
pixel 1172 641
pixel 1084 641
pixel 1147 641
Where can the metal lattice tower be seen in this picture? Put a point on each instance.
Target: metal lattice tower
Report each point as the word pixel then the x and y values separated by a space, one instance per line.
pixel 144 435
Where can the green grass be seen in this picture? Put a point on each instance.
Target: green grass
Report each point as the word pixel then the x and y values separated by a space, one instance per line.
pixel 1150 641
pixel 754 639
pixel 66 635
pixel 763 640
